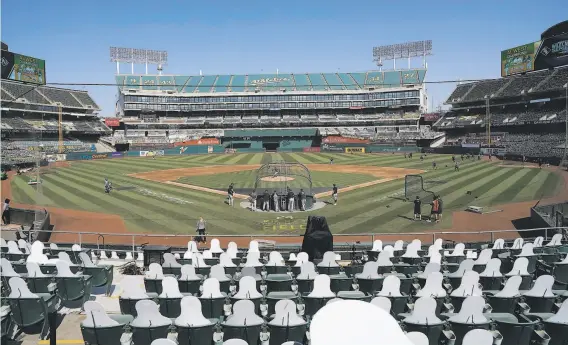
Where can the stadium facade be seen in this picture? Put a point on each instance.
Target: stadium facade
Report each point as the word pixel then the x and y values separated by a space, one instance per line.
pixel 158 110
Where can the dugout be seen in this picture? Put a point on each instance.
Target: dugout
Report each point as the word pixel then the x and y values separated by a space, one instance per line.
pixel 282 177
pixel 270 140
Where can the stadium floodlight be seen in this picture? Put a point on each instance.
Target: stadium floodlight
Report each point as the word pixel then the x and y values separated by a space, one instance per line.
pixel 138 56
pixel 406 50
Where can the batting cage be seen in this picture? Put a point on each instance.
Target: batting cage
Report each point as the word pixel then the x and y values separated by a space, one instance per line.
pixel 414 186
pixel 282 178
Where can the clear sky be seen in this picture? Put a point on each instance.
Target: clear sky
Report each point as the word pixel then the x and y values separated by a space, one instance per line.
pixel 249 36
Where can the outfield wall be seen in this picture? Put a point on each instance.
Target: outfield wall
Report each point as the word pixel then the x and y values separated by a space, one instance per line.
pixel 181 150
pixel 362 148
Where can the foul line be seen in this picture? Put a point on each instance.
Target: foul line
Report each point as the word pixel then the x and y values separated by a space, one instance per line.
pixel 205 189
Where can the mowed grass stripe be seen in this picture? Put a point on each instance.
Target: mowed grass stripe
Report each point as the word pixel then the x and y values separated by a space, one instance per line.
pixel 533 185
pixel 366 207
pixel 454 200
pixel 367 217
pixel 135 217
pixel 509 193
pixel 65 199
pixel 171 216
pixel 244 159
pixel 550 185
pixel 204 202
pixel 21 191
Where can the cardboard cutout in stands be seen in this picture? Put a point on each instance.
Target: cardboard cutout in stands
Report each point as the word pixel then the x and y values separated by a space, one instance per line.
pixel 433 286
pixel 383 303
pixel 188 273
pixel 520 268
pixel 424 312
pixel 7 269
pixel 225 259
pixel 511 288
pixel 377 246
pixel 478 337
pixel 191 314
pixel 317 238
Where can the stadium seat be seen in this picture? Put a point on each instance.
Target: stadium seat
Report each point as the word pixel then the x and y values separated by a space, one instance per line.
pixel 170 266
pixel 98 328
pixel 391 290
pixel 540 298
pixel 244 323
pixel 469 317
pixel 212 299
pixel 102 275
pixel 456 276
pixel 38 282
pixel 29 309
pixel 320 294
pixel 132 293
pixel 328 265
pixel 227 262
pixel 170 297
pixel 153 278
pixel 306 277
pixel 286 325
pixel 469 286
pixel 369 280
pixel 192 327
pixel 149 324
pixel 248 290
pixel 423 319
pixel 505 301
pixel 491 277
pixel 189 281
pixel 557 325
pixel 73 288
pixel 275 264
pixel 520 269
pixel 218 272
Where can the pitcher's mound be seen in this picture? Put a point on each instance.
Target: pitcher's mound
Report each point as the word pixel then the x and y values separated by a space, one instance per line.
pixel 277 178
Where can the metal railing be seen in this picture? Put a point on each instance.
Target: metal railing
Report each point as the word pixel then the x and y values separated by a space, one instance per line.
pixel 139 239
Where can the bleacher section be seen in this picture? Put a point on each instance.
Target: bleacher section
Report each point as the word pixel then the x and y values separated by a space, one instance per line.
pixel 534 83
pixel 273 82
pixel 47 95
pixel 407 293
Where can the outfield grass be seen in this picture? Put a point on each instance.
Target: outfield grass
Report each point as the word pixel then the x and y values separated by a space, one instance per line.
pixel 158 207
pixel 246 179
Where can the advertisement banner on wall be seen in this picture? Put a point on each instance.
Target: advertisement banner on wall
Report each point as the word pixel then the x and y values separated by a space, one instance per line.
pixel 331 148
pixel 112 122
pixel 337 139
pixel 354 150
pixel 312 149
pixel 116 154
pixel 209 149
pixel 151 153
pixel 99 156
pixel 202 141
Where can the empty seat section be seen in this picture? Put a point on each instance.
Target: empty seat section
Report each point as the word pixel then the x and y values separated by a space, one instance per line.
pixel 192 83
pixel 222 83
pixel 180 82
pixel 149 83
pixel 62 96
pixel 392 79
pixel 166 82
pixel 333 81
pixel 206 83
pixel 23 91
pixel 348 81
pixel 238 83
pixel 318 82
pixel 84 98
pixel 359 78
pixel 302 82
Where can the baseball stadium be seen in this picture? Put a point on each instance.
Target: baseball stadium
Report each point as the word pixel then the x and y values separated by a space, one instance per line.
pixel 263 160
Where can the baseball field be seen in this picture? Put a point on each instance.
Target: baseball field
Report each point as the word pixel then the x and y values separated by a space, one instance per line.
pixel 168 194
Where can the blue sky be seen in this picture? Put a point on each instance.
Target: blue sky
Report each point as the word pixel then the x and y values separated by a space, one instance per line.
pixel 248 36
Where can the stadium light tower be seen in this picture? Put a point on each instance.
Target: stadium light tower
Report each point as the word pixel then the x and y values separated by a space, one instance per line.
pixel 406 50
pixel 138 56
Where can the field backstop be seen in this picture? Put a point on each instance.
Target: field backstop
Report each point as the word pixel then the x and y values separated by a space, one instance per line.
pixel 282 177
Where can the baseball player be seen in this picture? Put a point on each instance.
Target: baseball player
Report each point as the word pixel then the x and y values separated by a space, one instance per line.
pixel 290 200
pixel 302 198
pixel 253 200
pixel 230 193
pixel 276 201
pixel 417 208
pixel 334 194
pixel 456 166
pixel 107 186
pixel 266 201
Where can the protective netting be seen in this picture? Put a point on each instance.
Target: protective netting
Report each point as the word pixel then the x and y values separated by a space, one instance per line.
pixel 279 176
pixel 414 186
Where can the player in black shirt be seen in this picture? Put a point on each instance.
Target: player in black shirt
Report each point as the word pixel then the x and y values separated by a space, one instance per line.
pixel 230 193
pixel 266 201
pixel 417 208
pixel 302 200
pixel 334 194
